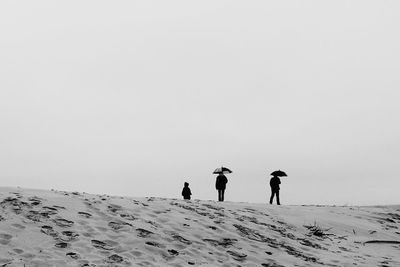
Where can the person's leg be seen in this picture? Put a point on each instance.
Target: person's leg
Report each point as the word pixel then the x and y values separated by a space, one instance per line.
pixel 277 197
pixel 219 195
pixel 223 194
pixel 272 196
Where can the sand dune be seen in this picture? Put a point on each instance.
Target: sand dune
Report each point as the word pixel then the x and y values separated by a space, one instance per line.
pixel 54 228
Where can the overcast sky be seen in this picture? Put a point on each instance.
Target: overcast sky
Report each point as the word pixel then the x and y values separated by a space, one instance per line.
pixel 134 98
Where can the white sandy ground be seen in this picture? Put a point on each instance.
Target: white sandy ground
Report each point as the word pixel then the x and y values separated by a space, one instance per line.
pixel 54 228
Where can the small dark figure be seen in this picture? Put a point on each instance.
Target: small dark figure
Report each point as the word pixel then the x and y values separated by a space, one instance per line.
pixel 220 185
pixel 274 183
pixel 186 193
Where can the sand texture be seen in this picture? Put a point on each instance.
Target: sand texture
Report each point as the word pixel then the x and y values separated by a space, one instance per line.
pixel 55 228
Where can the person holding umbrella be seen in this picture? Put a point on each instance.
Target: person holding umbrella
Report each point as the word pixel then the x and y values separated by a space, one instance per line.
pixel 221 181
pixel 274 183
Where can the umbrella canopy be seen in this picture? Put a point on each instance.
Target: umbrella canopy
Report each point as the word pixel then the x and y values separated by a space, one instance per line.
pixel 278 173
pixel 222 170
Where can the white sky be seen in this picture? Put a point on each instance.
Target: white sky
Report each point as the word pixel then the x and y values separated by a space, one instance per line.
pixel 135 98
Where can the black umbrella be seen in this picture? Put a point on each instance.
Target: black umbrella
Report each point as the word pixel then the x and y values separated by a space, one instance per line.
pixel 222 170
pixel 278 173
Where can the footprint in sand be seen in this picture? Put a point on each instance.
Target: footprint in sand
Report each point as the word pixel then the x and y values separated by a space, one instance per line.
pixel 48 230
pixel 86 263
pixel 154 244
pixel 34 201
pixel 127 216
pixel 5 236
pixel 309 243
pixel 225 242
pixel 238 256
pixel 18 251
pixel 143 232
pixel 114 208
pixel 5 239
pixel 140 203
pixel 17 194
pixel 182 239
pixel 299 254
pixel 63 222
pixel 36 216
pixel 17 209
pixel 254 235
pixel 272 264
pixel 50 210
pixel 69 236
pixel 85 214
pixel 73 255
pixel 344 249
pixel 153 224
pixel 102 245
pixel 173 252
pixel 118 225
pixel 61 245
pixel 12 200
pixel 115 258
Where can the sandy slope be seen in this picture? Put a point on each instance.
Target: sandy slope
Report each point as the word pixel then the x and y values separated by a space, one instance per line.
pixel 52 228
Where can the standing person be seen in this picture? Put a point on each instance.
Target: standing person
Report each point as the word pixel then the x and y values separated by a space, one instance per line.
pixel 186 193
pixel 274 183
pixel 220 185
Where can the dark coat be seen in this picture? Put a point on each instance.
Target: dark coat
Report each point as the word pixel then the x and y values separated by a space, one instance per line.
pixel 220 183
pixel 186 193
pixel 274 183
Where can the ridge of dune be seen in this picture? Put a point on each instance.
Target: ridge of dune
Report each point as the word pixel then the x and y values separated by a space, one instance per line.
pixel 57 228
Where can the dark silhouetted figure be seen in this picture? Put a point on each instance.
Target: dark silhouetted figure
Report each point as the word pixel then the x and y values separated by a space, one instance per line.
pixel 186 193
pixel 274 183
pixel 220 185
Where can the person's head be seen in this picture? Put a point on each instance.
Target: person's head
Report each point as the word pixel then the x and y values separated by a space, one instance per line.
pixel 186 184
